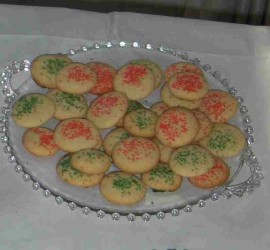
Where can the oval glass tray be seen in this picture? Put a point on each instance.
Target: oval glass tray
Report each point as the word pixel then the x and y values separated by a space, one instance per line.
pixel 246 171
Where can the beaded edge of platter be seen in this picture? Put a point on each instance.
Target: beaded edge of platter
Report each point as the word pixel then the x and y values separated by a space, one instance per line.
pixel 248 157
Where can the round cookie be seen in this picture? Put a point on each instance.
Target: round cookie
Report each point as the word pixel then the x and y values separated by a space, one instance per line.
pixel 39 142
pixel 105 74
pixel 67 105
pixel 113 137
pixel 136 81
pixel 219 106
pixel 162 178
pixel 225 140
pixel 181 67
pixel 106 110
pixel 176 127
pixel 122 188
pixel 73 176
pixel 91 161
pixel 188 86
pixel 172 101
pixel 32 110
pixel 141 122
pixel 154 67
pixel 165 151
pixel 135 155
pixel 159 107
pixel 191 160
pixel 44 69
pixel 205 125
pixel 216 176
pixel 74 134
pixel 76 78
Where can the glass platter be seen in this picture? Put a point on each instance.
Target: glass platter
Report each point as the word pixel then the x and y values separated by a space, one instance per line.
pixel 15 81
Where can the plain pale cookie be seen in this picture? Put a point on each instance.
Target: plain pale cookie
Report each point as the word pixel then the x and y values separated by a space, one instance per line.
pixel 154 67
pixel 73 176
pixel 136 81
pixel 159 107
pixel 176 127
pixel 122 188
pixel 33 110
pixel 39 142
pixel 67 105
pixel 181 67
pixel 141 122
pixel 225 140
pixel 205 125
pixel 106 110
pixel 191 160
pixel 165 151
pixel 74 134
pixel 105 74
pixel 91 161
pixel 219 106
pixel 76 78
pixel 188 86
pixel 168 98
pixel 44 69
pixel 216 176
pixel 113 137
pixel 135 155
pixel 162 178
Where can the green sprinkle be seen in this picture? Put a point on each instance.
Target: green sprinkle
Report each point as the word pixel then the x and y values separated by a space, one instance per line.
pixel 67 168
pixel 221 140
pixel 26 105
pixel 69 100
pixel 143 121
pixel 54 65
pixel 134 105
pixel 162 172
pixel 124 184
pixel 191 157
pixel 124 135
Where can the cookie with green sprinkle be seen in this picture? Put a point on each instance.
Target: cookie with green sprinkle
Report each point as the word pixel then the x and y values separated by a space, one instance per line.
pixel 32 110
pixel 67 105
pixel 91 161
pixel 162 178
pixel 122 188
pixel 225 140
pixel 191 160
pixel 72 176
pixel 141 122
pixel 44 69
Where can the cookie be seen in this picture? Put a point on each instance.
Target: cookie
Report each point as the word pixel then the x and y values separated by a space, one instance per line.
pixel 225 140
pixel 39 142
pixel 73 176
pixel 181 67
pixel 122 188
pixel 67 105
pixel 176 127
pixel 106 110
pixel 191 160
pixel 74 134
pixel 154 67
pixel 76 78
pixel 162 178
pixel 165 151
pixel 135 155
pixel 91 161
pixel 113 137
pixel 205 125
pixel 44 69
pixel 216 176
pixel 159 107
pixel 188 86
pixel 136 81
pixel 219 106
pixel 32 110
pixel 141 122
pixel 105 74
pixel 169 99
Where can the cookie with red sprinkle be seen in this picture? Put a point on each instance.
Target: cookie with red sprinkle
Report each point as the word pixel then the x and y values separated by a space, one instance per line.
pixel 39 142
pixel 159 107
pixel 219 106
pixel 205 125
pixel 215 177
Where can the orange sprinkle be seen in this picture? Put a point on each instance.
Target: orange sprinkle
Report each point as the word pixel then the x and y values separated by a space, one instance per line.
pixel 188 82
pixel 133 74
pixel 78 74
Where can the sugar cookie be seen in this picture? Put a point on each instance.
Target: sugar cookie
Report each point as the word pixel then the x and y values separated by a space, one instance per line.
pixel 159 107
pixel 165 151
pixel 205 125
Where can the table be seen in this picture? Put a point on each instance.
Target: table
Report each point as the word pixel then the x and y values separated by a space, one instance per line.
pixel 241 53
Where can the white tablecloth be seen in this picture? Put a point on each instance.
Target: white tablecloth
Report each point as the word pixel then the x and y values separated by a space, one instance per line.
pixel 241 53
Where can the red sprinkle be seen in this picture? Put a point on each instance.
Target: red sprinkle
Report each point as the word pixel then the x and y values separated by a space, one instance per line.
pixel 76 129
pixel 104 104
pixel 45 137
pixel 78 74
pixel 188 82
pixel 133 74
